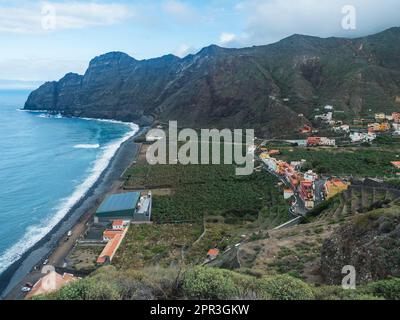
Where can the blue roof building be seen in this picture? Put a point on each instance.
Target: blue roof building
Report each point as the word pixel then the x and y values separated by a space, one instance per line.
pixel 126 206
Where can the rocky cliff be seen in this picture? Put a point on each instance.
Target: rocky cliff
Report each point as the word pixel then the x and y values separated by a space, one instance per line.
pixel 370 243
pixel 263 87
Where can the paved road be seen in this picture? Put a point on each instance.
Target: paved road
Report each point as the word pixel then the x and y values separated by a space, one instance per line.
pixel 319 191
pixel 298 209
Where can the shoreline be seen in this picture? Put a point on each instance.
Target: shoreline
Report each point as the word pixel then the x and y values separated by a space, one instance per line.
pixel 78 215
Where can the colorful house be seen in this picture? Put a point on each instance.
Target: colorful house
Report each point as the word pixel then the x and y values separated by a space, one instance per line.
pixel 306 129
pixel 313 141
pixel 396 117
pixel 109 251
pixel 212 254
pixel 380 116
pixel 396 164
pixel 119 224
pixel 306 192
pixel 288 193
pixel 274 152
pixel 378 127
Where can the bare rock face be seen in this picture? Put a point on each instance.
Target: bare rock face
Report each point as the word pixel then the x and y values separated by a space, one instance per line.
pixel 263 88
pixel 371 243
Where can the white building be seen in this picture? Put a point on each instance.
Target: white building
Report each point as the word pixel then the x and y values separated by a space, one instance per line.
pixel 396 126
pixel 310 176
pixel 327 142
pixel 297 164
pixel 362 137
pixel 327 117
pixel 343 128
pixel 288 193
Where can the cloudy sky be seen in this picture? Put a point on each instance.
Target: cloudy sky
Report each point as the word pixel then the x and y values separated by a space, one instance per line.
pixel 42 40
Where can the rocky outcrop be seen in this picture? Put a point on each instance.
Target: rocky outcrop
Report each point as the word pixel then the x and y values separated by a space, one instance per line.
pixel 264 87
pixel 370 243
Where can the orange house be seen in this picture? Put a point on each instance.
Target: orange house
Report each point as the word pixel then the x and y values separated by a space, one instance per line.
pixel 313 141
pixel 274 152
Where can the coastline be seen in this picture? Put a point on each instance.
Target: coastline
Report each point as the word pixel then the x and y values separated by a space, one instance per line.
pixel 80 213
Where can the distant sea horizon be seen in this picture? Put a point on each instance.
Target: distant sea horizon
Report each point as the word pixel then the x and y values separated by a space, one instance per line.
pixel 47 164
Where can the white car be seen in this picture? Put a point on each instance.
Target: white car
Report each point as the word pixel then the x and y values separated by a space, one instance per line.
pixel 25 289
pixel 69 233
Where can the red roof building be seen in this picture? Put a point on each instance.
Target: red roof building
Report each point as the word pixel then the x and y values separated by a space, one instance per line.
pixel 396 117
pixel 313 141
pixel 118 225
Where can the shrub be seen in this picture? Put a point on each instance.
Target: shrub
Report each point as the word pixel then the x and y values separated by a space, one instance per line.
pixel 89 289
pixel 208 283
pixel 74 291
pixel 284 287
pixel 388 289
pixel 338 293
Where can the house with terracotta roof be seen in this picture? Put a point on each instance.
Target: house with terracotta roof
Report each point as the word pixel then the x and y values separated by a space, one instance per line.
pixel 110 234
pixel 212 254
pixel 109 251
pixel 307 194
pixel 396 164
pixel 274 152
pixel 52 281
pixel 119 224
pixel 313 141
pixel 306 129
pixel 378 127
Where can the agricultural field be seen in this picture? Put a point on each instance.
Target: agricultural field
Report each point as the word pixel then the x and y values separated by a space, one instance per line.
pixel 203 190
pixel 360 162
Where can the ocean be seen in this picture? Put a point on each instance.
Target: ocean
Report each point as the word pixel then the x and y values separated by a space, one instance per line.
pixel 47 164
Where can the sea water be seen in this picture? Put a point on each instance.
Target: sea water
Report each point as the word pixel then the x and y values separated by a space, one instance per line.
pixel 47 164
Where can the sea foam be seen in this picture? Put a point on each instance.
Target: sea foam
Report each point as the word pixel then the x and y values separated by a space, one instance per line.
pixel 87 146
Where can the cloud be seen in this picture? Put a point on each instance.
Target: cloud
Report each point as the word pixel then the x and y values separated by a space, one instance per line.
pixel 227 38
pixel 51 16
pixel 184 50
pixel 180 11
pixel 267 21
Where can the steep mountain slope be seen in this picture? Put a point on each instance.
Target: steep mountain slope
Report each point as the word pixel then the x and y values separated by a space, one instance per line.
pixel 262 87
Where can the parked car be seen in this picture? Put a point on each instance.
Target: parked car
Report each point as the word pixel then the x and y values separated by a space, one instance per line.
pixel 45 261
pixel 29 285
pixel 69 233
pixel 25 289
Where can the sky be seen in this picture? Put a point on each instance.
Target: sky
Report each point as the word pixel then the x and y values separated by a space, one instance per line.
pixel 43 40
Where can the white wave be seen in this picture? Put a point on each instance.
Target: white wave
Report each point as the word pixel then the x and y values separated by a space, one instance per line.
pixel 31 111
pixel 35 233
pixel 87 146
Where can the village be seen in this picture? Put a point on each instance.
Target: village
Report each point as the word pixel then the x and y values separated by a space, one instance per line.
pixel 361 130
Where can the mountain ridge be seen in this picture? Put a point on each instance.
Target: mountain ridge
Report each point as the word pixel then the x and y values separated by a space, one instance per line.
pixel 261 87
